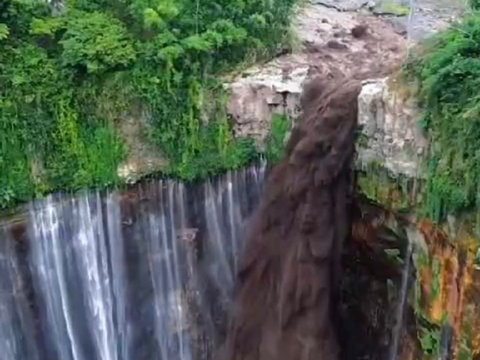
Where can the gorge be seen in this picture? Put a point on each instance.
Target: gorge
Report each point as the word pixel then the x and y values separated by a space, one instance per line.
pixel 149 272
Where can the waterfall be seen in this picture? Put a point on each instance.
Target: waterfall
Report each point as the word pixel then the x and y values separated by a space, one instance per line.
pixel 16 327
pixel 399 316
pixel 144 273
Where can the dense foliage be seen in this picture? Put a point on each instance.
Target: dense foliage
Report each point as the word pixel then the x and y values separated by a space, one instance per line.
pixel 277 138
pixel 69 72
pixel 449 72
pixel 474 4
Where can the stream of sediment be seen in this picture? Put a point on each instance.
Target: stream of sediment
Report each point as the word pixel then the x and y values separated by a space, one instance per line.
pixel 290 273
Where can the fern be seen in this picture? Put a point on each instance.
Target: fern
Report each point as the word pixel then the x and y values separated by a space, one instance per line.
pixel 4 31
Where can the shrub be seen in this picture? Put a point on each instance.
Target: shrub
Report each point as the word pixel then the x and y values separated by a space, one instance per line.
pixel 474 4
pixel 97 42
pixel 276 140
pixel 449 73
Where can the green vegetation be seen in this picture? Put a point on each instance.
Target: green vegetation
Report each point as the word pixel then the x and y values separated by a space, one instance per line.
pixel 428 333
pixel 378 186
pixel 394 8
pixel 277 137
pixel 436 278
pixel 474 4
pixel 468 333
pixel 69 72
pixel 448 70
pixel 430 341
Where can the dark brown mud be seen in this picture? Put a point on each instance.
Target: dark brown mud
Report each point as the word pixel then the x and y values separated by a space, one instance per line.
pixel 289 281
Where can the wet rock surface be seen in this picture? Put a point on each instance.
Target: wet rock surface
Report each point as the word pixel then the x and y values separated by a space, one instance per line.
pixel 371 284
pixel 427 17
pixel 416 19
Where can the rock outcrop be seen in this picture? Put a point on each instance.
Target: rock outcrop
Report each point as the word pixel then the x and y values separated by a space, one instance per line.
pixel 391 136
pixel 328 48
pixel 263 93
pixel 327 32
pixel 143 158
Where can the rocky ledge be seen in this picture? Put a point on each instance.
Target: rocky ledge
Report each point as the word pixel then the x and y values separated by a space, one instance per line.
pixel 357 38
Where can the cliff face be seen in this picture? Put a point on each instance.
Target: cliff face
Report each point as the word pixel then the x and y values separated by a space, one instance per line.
pixel 438 317
pixel 327 45
pixel 350 44
pixel 357 39
pixel 289 279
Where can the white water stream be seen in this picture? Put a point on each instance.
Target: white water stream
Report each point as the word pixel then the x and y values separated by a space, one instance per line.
pixel 143 274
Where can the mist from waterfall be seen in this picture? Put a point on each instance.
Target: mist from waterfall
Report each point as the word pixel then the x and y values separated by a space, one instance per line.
pixel 145 273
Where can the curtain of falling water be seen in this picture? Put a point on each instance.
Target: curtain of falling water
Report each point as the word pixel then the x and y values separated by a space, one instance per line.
pixel 142 274
pixel 17 339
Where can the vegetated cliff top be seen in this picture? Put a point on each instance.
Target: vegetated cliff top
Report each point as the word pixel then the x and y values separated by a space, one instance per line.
pixel 78 80
pixel 70 73
pixel 446 70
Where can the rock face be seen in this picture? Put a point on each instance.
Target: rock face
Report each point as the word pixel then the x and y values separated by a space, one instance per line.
pixel 143 158
pixel 391 135
pixel 328 48
pixel 256 98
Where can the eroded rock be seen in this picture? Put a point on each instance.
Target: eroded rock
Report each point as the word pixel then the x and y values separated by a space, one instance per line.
pixel 328 49
pixel 254 99
pixel 391 136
